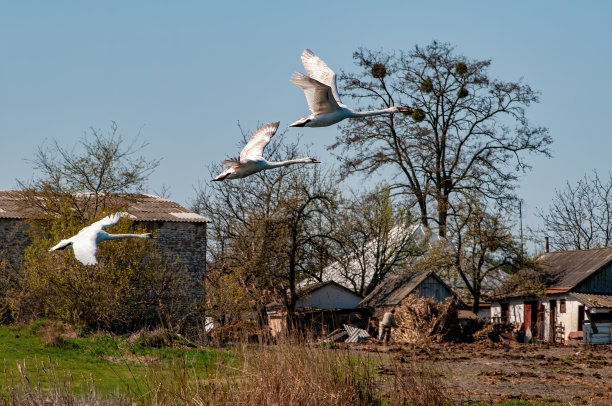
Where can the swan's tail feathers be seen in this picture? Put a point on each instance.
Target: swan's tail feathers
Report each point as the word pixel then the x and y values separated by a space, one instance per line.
pixel 221 176
pixel 300 122
pixel 61 246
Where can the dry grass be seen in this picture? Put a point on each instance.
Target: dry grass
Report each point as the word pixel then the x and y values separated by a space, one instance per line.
pixel 295 375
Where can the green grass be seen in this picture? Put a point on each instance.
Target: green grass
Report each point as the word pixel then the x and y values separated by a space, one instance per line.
pixel 110 361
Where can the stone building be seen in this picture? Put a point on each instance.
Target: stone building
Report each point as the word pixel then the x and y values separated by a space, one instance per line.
pixel 181 232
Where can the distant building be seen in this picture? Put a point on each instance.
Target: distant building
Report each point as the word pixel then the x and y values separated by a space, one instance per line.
pixel 321 307
pixel 576 303
pixel 346 275
pixel 181 232
pixel 326 295
pixel 395 288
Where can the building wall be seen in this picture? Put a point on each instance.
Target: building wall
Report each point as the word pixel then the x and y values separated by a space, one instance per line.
pixel 599 283
pixel 329 297
pixel 432 288
pixel 187 242
pixel 13 238
pixel 569 319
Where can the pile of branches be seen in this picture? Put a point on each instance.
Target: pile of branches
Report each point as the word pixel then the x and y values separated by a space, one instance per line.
pixel 421 320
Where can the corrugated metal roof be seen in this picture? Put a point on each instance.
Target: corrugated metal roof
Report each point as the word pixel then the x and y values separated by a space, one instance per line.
pixel 141 207
pixel 308 289
pixel 394 289
pixel 594 301
pixel 572 267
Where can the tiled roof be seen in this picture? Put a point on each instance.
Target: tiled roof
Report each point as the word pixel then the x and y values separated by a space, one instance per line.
pixel 594 301
pixel 141 207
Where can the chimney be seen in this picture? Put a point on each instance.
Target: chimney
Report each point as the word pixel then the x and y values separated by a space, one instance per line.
pixel 547 244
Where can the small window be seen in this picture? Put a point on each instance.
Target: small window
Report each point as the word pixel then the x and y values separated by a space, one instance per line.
pixel 562 306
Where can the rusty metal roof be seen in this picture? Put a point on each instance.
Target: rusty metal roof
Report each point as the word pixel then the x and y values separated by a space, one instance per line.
pixel 141 207
pixel 594 301
pixel 569 268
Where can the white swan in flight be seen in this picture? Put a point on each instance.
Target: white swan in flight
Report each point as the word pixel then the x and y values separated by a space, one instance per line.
pixel 251 158
pixel 322 95
pixel 85 243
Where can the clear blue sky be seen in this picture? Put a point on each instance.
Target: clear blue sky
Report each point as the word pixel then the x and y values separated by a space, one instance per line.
pixel 183 73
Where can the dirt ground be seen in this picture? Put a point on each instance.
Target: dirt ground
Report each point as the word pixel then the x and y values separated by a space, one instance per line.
pixel 493 372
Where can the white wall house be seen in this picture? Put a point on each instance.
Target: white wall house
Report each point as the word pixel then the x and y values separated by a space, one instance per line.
pixel 576 304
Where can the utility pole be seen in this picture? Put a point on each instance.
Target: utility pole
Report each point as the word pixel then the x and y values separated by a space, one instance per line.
pixel 521 223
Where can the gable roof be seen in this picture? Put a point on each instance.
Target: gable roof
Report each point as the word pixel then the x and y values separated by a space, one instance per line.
pixel 395 288
pixel 141 207
pixel 336 272
pixel 570 268
pixel 309 289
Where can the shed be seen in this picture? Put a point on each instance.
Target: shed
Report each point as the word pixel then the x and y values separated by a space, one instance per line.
pixel 396 288
pixel 327 295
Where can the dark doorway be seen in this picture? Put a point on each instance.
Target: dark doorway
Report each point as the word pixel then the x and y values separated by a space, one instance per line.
pixel 553 319
pixel 580 317
pixel 530 317
pixel 505 312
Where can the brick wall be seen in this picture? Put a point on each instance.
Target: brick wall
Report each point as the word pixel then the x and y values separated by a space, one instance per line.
pixel 187 242
pixel 13 238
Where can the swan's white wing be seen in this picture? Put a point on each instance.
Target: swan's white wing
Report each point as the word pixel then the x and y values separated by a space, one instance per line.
pixel 85 249
pixel 61 245
pixel 260 138
pixel 319 96
pixel 318 70
pixel 106 221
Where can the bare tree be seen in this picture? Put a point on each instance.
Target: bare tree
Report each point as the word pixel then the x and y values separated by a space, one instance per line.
pixel 468 132
pixel 580 216
pixel 268 230
pixel 87 176
pixel 374 237
pixel 481 245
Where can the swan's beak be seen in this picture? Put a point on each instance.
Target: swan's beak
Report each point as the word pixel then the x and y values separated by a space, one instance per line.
pixel 316 161
pixel 404 109
pixel 154 237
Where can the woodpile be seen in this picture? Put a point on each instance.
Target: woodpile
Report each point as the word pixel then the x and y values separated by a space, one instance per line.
pixel 422 320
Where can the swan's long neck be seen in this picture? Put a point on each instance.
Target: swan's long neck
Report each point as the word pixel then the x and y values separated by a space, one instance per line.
pixel 289 162
pixel 120 236
pixel 369 113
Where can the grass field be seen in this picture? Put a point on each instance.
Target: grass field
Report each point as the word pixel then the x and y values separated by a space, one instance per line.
pixel 100 369
pixel 112 363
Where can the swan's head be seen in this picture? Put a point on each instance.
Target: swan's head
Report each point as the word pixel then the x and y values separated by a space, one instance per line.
pixel 313 160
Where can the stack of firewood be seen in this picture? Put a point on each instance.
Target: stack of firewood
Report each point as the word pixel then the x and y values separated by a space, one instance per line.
pixel 421 320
